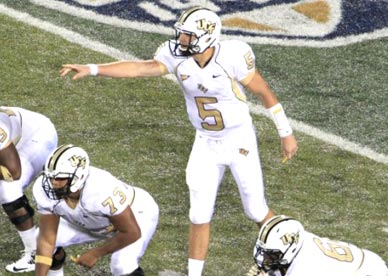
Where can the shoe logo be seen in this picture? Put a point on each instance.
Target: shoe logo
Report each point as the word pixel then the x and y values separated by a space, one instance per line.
pixel 20 269
pixel 216 76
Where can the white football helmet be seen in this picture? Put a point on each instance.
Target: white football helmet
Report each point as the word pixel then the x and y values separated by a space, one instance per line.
pixel 280 240
pixel 66 162
pixel 204 26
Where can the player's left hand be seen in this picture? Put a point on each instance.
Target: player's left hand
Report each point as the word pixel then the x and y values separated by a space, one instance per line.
pixel 88 259
pixel 289 147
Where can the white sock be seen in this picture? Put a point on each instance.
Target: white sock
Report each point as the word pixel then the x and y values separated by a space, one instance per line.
pixel 28 238
pixel 58 272
pixel 195 267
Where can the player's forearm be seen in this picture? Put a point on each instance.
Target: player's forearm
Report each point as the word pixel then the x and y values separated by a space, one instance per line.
pixel 119 241
pixel 43 258
pixel 41 269
pixel 119 69
pixel 128 69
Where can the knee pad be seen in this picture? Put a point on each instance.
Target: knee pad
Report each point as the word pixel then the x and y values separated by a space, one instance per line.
pixel 59 258
pixel 11 207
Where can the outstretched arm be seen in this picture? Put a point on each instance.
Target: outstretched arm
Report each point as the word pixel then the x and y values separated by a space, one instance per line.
pixel 258 86
pixel 118 69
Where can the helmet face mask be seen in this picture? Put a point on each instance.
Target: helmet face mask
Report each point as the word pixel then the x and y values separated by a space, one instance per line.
pixel 55 193
pixel 69 163
pixel 269 259
pixel 202 26
pixel 280 240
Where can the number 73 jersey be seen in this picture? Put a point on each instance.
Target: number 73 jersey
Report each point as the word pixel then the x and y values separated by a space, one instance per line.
pixel 103 196
pixel 325 257
pixel 215 98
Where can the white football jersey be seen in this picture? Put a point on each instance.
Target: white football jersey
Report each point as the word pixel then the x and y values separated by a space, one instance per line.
pixel 19 124
pixel 324 257
pixel 215 98
pixel 34 137
pixel 10 126
pixel 103 196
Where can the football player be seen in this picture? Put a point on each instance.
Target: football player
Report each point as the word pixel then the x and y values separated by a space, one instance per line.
pixel 80 204
pixel 214 76
pixel 26 139
pixel 284 248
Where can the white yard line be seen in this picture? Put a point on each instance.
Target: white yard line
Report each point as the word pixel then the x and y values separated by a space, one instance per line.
pixel 256 109
pixel 64 33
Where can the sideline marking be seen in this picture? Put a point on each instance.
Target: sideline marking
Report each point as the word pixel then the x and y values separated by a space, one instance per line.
pixel 255 109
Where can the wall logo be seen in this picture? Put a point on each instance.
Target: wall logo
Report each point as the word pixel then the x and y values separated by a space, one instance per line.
pixel 258 21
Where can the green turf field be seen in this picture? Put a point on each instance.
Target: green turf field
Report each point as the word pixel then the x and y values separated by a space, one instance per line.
pixel 138 130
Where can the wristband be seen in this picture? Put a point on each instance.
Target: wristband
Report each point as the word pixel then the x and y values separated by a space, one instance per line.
pixel 43 260
pixel 93 69
pixel 278 116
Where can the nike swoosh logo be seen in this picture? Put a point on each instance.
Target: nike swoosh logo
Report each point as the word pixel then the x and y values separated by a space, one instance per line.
pixel 19 269
pixel 216 76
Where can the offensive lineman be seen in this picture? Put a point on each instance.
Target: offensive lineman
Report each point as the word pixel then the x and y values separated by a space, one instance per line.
pixel 26 139
pixel 284 248
pixel 213 75
pixel 80 204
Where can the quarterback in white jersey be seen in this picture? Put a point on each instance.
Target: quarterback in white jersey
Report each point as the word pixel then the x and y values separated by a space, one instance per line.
pixel 213 75
pixel 284 248
pixel 26 139
pixel 215 98
pixel 82 204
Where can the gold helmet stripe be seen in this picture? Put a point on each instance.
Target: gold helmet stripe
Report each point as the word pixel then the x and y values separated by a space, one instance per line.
pixel 188 12
pixel 263 235
pixel 55 156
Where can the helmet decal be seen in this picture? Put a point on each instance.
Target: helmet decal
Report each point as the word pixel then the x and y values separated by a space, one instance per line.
pixel 206 26
pixel 289 238
pixel 78 161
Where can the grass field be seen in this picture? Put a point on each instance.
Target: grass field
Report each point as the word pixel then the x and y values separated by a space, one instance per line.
pixel 138 130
